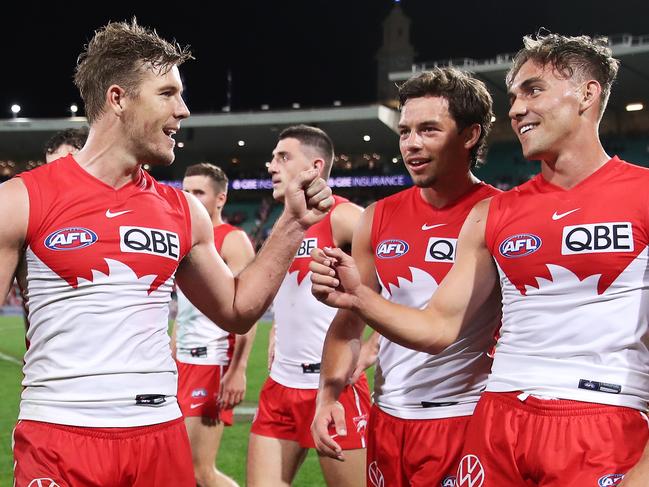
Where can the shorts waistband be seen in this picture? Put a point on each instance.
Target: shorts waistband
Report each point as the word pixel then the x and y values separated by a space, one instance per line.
pixel 120 433
pixel 375 409
pixel 554 407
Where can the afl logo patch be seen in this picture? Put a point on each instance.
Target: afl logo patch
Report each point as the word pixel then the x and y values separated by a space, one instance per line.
pixel 609 480
pixel 520 245
pixel 389 249
pixel 448 481
pixel 71 238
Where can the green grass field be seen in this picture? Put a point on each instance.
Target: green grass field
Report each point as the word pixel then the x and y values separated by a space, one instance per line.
pixel 232 457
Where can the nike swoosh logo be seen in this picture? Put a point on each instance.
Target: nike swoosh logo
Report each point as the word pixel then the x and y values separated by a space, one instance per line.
pixel 559 216
pixel 110 214
pixel 194 406
pixel 428 227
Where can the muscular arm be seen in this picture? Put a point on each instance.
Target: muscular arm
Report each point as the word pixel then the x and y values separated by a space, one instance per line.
pixel 344 219
pixel 237 253
pixel 236 303
pixel 465 289
pixel 342 343
pixel 341 348
pixel 14 214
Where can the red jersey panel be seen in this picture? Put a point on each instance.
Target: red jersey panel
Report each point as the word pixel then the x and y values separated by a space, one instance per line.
pixel 414 248
pixel 573 271
pixel 199 340
pixel 100 265
pixel 301 321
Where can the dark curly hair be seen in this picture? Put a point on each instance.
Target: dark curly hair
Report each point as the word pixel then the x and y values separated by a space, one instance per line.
pixel 469 102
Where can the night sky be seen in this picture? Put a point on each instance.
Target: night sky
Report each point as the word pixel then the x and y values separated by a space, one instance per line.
pixel 280 51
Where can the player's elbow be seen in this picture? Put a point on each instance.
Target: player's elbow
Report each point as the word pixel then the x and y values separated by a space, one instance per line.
pixel 238 325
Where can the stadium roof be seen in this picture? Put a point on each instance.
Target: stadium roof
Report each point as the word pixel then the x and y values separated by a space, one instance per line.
pixel 631 86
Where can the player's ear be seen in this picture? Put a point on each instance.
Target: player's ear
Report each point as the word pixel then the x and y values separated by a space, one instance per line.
pixel 319 165
pixel 115 96
pixel 589 95
pixel 471 135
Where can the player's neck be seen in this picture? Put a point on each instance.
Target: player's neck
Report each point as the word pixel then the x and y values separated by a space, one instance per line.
pixel 445 191
pixel 572 165
pixel 216 218
pixel 108 159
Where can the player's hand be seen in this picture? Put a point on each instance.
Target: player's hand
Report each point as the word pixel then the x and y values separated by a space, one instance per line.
pixel 326 416
pixel 334 277
pixel 366 358
pixel 308 198
pixel 232 389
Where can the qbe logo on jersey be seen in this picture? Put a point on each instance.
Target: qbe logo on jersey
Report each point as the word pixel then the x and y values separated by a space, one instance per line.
pixel 307 245
pixel 150 241
pixel 441 250
pixel 597 238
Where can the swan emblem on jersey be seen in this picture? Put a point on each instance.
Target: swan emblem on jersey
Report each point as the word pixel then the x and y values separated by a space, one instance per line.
pixel 519 245
pixel 391 249
pixel 71 238
pixel 360 422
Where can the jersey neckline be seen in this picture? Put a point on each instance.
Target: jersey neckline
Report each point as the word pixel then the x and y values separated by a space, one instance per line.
pixel 545 186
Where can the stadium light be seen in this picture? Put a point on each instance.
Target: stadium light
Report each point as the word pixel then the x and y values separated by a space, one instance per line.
pixel 241 143
pixel 337 103
pixel 395 160
pixel 265 107
pixel 15 109
pixel 74 109
pixel 180 145
pixel 367 138
pixel 493 119
pixel 634 107
pixel 296 105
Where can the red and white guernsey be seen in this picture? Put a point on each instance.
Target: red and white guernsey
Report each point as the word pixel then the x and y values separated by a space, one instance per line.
pixel 301 321
pixel 573 271
pixel 198 340
pixel 414 248
pixel 100 266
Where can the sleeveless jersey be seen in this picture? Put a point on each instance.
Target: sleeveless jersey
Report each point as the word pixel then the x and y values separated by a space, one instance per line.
pixel 414 248
pixel 573 271
pixel 198 340
pixel 100 265
pixel 301 321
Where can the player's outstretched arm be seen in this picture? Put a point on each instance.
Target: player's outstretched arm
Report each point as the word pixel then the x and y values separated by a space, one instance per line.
pixel 14 215
pixel 467 287
pixel 237 303
pixel 341 351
